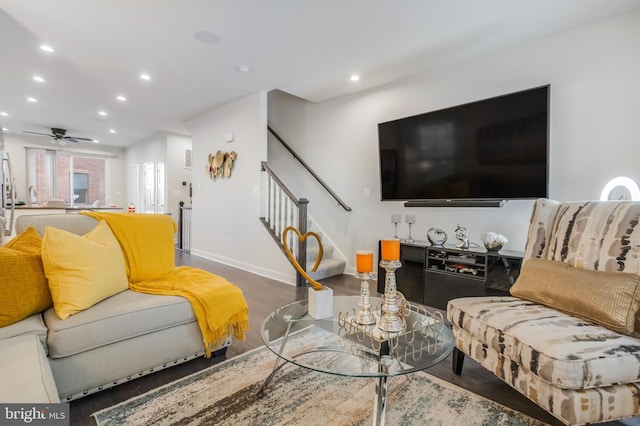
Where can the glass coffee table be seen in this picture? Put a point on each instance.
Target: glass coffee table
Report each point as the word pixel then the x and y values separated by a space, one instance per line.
pixel 340 346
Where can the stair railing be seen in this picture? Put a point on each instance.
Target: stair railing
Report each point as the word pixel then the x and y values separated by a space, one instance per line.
pixel 184 227
pixel 283 209
pixel 309 169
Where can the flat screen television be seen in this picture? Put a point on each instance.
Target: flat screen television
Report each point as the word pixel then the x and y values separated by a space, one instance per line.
pixel 492 149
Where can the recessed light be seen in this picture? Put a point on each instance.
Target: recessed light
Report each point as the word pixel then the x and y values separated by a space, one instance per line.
pixel 47 48
pixel 38 79
pixel 112 131
pixel 4 114
pixel 207 37
pixel 95 141
pixel 4 129
pixel 33 100
pixel 355 77
pixel 121 98
pixel 145 77
pixel 244 68
pixel 102 113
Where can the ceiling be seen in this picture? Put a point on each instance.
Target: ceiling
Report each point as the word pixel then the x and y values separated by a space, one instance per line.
pixel 304 47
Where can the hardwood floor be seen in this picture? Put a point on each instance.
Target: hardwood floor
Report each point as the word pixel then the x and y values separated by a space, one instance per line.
pixel 264 295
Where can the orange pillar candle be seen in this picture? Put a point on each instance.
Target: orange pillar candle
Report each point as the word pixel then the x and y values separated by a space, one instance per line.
pixel 364 261
pixel 391 249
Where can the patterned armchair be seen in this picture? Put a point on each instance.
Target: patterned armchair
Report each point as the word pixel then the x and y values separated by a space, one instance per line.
pixel 569 340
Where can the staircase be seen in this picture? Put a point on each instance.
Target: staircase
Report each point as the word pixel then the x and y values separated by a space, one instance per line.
pixel 330 265
pixel 282 210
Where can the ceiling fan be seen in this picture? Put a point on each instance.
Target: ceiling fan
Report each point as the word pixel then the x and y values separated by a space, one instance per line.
pixel 60 135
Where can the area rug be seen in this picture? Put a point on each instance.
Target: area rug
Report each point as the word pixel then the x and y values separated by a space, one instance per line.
pixel 226 394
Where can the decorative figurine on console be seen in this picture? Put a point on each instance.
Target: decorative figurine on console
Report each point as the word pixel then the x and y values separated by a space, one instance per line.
pixel 463 235
pixel 437 237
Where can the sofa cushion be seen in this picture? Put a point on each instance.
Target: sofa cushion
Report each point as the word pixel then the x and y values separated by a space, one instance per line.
pixel 572 407
pixel 23 285
pixel 563 350
pixel 74 223
pixel 123 316
pixel 610 299
pixel 32 325
pixel 82 270
pixel 26 375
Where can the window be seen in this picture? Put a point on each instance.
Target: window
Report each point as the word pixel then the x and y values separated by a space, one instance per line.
pixel 77 178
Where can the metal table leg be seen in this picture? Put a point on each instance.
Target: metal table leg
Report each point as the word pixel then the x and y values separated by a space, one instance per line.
pixel 380 402
pixel 277 364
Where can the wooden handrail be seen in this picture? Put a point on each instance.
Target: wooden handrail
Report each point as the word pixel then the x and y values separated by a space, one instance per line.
pixel 306 166
pixel 266 168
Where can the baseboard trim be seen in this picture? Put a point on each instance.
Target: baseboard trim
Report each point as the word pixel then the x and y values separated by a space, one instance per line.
pixel 267 273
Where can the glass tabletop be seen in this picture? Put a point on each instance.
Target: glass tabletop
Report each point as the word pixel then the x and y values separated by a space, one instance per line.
pixel 338 345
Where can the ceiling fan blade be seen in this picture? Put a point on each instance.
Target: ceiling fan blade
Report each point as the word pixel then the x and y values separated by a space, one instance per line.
pixel 77 139
pixel 37 133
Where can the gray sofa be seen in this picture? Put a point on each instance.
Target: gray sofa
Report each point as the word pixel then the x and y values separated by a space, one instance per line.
pixel 126 336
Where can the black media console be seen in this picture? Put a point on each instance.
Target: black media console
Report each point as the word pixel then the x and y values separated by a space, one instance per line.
pixel 433 275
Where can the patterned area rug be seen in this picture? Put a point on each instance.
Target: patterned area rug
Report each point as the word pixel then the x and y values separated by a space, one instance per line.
pixel 226 394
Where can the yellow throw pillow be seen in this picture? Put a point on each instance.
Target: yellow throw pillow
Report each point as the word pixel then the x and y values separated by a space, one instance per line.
pixel 610 299
pixel 82 270
pixel 23 286
pixel 29 241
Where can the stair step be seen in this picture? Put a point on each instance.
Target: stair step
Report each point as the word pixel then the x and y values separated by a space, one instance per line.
pixel 327 268
pixel 312 252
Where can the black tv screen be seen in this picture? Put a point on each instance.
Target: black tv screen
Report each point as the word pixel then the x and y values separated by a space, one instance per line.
pixel 493 149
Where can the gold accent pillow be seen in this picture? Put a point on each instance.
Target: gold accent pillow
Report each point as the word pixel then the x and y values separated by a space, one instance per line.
pixel 610 299
pixel 23 285
pixel 82 270
pixel 29 241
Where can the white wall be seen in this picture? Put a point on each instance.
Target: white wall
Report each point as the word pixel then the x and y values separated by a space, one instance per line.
pixel 226 212
pixel 116 187
pixel 594 132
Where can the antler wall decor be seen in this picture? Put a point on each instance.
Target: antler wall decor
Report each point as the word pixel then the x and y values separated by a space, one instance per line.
pixel 220 164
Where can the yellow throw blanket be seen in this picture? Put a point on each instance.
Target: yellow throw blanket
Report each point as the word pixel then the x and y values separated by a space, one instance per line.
pixel 147 245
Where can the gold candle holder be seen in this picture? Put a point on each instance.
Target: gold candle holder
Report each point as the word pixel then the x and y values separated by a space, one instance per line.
pixel 364 315
pixel 391 320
